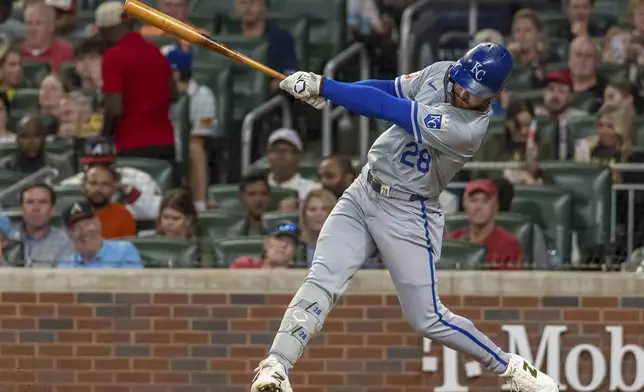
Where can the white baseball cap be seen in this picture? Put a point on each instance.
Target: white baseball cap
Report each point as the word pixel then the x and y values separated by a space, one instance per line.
pixel 287 135
pixel 109 14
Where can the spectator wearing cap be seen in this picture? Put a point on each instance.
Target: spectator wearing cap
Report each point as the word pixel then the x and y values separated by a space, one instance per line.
pixel 279 250
pixel 284 154
pixel 137 89
pixel 31 155
pixel 281 46
pixel 583 62
pixel 65 15
pixel 6 136
pixel 100 186
pixel 40 43
pixel 203 121
pixel 254 197
pixel 481 204
pixel 142 193
pixel 90 249
pixel 557 98
pixel 43 245
pixel 11 29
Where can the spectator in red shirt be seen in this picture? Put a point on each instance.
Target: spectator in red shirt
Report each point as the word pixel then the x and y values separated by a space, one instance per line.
pixel 481 204
pixel 40 43
pixel 138 88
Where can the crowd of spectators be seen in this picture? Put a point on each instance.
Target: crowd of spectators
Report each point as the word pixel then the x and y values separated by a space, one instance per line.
pixel 82 96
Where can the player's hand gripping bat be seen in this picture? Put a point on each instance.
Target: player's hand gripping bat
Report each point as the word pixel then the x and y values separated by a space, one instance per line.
pixel 191 34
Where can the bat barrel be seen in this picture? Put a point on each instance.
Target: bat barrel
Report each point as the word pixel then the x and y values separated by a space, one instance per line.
pixel 162 21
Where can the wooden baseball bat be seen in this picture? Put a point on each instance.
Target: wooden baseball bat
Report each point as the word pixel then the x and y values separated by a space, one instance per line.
pixel 191 34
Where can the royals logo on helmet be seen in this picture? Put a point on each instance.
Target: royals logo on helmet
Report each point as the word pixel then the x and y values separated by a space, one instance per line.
pixel 437 122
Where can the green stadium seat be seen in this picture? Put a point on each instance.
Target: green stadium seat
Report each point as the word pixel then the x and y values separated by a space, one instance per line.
pixel 209 7
pixel 551 209
pixel 275 218
pixel 611 71
pixel 250 88
pixel 582 127
pixel 35 71
pixel 25 100
pixel 205 21
pixel 166 252
pixel 462 255
pixel 328 30
pixel 584 101
pixel 229 249
pixel 519 225
pixel 161 171
pixel 8 178
pixel 638 131
pixel 228 197
pixel 67 195
pixel 535 96
pixel 559 46
pixel 590 188
pixel 521 78
pixel 13 255
pixel 215 224
pixel 15 216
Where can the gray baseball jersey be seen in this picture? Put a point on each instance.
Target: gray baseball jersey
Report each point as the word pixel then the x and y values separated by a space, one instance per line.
pixel 445 137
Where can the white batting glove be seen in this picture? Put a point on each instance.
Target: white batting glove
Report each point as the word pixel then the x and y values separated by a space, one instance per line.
pixel 302 84
pixel 317 102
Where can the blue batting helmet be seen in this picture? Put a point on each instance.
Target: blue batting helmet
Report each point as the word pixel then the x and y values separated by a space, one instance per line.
pixel 484 70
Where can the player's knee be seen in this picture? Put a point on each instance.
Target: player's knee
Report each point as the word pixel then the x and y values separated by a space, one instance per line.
pixel 422 322
pixel 306 313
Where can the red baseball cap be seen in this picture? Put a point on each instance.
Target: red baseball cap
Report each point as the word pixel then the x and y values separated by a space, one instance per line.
pixel 486 186
pixel 561 77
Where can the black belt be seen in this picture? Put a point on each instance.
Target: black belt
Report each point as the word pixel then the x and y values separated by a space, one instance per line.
pixel 385 190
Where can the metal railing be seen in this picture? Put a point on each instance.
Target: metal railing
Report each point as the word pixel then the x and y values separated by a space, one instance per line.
pixel 329 114
pixel 630 190
pixel 46 173
pixel 248 125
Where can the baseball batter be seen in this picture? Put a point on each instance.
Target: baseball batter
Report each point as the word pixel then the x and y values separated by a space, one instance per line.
pixel 441 115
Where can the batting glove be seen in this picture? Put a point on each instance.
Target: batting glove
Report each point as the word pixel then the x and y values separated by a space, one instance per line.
pixel 302 84
pixel 317 102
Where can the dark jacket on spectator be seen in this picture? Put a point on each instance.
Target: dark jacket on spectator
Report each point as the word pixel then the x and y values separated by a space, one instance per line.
pixel 16 162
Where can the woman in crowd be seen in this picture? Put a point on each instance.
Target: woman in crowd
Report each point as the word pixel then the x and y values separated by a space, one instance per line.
pixel 315 210
pixel 621 92
pixel 528 44
pixel 11 73
pixel 51 91
pixel 6 136
pixel 178 216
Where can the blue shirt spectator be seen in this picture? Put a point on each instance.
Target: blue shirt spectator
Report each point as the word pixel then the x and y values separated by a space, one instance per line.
pixel 5 234
pixel 91 250
pixel 112 254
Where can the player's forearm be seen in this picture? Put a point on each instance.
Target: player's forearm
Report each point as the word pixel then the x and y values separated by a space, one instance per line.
pixel 370 102
pixel 387 86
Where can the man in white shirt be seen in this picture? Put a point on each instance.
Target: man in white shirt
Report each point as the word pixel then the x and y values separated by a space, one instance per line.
pixel 203 120
pixel 284 154
pixel 142 193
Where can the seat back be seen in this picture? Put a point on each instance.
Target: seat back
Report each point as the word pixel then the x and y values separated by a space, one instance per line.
pixel 166 252
pixel 229 249
pixel 275 218
pixel 462 255
pixel 215 224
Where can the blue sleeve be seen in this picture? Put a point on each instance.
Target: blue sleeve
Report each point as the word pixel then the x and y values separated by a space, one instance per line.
pixel 131 257
pixel 388 86
pixel 372 102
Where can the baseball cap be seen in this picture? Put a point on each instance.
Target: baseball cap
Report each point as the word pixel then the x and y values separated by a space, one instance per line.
pixel 286 135
pixel 77 211
pixel 486 186
pixel 62 5
pixel 98 149
pixel 286 230
pixel 109 14
pixel 561 77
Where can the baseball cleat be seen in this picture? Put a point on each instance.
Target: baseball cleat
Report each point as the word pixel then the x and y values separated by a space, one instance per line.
pixel 271 377
pixel 524 377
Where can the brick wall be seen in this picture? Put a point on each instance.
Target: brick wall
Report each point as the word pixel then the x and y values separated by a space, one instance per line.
pixel 176 342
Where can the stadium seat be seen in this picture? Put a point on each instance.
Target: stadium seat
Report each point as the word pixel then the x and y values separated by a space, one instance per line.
pixel 215 224
pixel 551 209
pixel 209 7
pixel 521 78
pixel 462 255
pixel 611 71
pixel 67 195
pixel 15 215
pixel 228 197
pixel 590 188
pixel 519 225
pixel 13 255
pixel 160 170
pixel 35 71
pixel 229 249
pixel 25 100
pixel 275 218
pixel 8 178
pixel 535 96
pixel 166 252
pixel 328 31
pixel 205 21
pixel 553 24
pixel 582 127
pixel 584 101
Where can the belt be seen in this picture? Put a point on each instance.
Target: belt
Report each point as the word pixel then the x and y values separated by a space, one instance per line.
pixel 386 190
